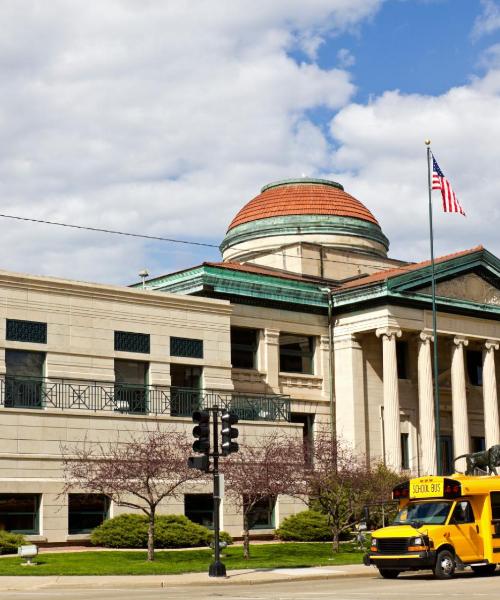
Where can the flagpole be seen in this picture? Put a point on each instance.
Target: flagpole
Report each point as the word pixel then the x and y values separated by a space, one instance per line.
pixel 437 416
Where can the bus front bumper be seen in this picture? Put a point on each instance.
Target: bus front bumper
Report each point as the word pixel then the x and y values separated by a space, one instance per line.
pixel 403 562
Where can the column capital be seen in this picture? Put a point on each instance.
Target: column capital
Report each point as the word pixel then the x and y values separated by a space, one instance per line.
pixel 491 345
pixel 272 335
pixel 389 332
pixel 324 342
pixel 459 340
pixel 425 337
pixel 349 340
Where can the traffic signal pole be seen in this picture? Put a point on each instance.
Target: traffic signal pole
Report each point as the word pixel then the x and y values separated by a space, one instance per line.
pixel 201 433
pixel 217 568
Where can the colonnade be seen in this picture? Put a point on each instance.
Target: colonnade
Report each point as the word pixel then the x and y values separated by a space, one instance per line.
pixel 427 422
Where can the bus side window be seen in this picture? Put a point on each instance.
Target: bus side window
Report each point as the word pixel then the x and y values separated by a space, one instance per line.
pixel 495 505
pixel 463 513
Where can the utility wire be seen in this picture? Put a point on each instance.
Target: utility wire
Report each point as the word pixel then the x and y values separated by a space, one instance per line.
pixel 176 241
pixel 138 235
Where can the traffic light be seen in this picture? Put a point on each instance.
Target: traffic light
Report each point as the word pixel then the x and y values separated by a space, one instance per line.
pixel 201 431
pixel 229 433
pixel 201 463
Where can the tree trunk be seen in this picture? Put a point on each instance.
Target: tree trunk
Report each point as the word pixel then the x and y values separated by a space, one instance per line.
pixel 151 535
pixel 246 538
pixel 336 542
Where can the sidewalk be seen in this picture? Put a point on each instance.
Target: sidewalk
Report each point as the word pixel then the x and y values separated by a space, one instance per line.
pixel 247 577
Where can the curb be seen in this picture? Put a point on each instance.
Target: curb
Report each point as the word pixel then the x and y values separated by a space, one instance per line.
pixel 129 582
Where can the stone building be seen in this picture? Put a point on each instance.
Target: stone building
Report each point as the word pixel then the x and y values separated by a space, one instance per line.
pixel 96 362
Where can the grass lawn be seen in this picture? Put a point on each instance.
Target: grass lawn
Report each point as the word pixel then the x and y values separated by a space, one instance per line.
pixel 167 562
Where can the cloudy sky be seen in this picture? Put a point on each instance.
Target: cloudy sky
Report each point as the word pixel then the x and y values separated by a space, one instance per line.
pixel 164 117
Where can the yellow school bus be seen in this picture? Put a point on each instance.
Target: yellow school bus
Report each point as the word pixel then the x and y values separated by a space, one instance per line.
pixel 443 524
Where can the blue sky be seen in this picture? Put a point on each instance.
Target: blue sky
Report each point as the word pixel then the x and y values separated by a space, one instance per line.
pixel 166 117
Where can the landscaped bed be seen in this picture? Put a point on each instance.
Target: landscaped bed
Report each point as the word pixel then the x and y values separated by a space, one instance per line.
pixel 265 556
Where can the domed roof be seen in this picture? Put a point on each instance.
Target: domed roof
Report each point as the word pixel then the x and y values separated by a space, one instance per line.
pixel 302 197
pixel 316 211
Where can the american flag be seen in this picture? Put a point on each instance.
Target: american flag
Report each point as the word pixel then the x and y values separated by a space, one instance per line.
pixel 439 182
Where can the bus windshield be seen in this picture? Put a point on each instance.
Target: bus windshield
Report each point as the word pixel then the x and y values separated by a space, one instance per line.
pixel 430 513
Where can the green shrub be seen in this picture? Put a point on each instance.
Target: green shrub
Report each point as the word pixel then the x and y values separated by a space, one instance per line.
pixel 305 526
pixel 223 536
pixel 171 531
pixel 10 542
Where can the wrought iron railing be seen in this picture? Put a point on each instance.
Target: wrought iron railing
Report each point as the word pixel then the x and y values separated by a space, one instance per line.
pixel 47 393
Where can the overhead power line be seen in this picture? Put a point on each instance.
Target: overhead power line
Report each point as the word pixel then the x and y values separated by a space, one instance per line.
pixel 176 241
pixel 114 231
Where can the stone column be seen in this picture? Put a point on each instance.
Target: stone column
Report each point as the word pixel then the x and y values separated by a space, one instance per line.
pixel 392 427
pixel 490 398
pixel 461 443
pixel 426 406
pixel 324 363
pixel 349 392
pixel 272 358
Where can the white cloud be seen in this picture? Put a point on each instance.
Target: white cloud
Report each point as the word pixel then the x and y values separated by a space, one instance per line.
pixel 488 21
pixel 381 159
pixel 158 117
pixel 345 58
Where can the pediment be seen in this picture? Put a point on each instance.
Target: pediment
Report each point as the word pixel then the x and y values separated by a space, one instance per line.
pixel 471 287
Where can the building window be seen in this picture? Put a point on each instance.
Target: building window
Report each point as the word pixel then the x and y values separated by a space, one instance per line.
pixel 446 442
pixel 131 392
pixel 243 347
pixel 26 331
pixel 261 514
pixel 405 451
pixel 19 513
pixel 186 347
pixel 128 341
pixel 475 367
pixel 86 512
pixel 307 422
pixel 199 508
pixel 402 359
pixel 24 378
pixel 296 353
pixel 185 390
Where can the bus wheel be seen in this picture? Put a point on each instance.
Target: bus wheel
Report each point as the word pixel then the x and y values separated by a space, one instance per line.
pixel 445 565
pixel 484 570
pixel 389 573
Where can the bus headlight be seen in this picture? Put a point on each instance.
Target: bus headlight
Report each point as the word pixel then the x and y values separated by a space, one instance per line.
pixel 418 544
pixel 373 545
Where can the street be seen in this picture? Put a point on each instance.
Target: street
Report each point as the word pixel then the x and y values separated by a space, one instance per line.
pixel 418 587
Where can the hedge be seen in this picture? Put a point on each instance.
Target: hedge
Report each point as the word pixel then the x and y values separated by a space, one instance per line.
pixel 10 542
pixel 171 531
pixel 305 526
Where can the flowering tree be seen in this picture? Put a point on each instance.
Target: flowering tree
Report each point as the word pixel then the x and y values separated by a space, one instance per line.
pixel 260 472
pixel 137 474
pixel 341 483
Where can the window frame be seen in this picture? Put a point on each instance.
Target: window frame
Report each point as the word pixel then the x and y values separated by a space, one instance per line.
pixel 245 348
pixel 104 513
pixel 271 513
pixel 309 354
pixel 36 514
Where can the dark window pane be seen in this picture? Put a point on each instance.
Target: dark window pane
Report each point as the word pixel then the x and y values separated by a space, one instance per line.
pixel 296 353
pixel 478 444
pixel 23 378
pixel 402 359
pixel 86 512
pixel 199 508
pixel 185 382
pixel 495 505
pixel 19 513
pixel 26 331
pixel 243 347
pixel 127 341
pixel 186 347
pixel 130 386
pixel 405 451
pixel 475 367
pixel 261 515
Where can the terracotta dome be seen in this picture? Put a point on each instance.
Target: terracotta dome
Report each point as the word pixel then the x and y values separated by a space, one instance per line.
pixel 314 211
pixel 302 197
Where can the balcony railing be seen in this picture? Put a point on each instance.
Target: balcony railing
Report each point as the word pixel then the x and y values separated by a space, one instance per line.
pixel 47 393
